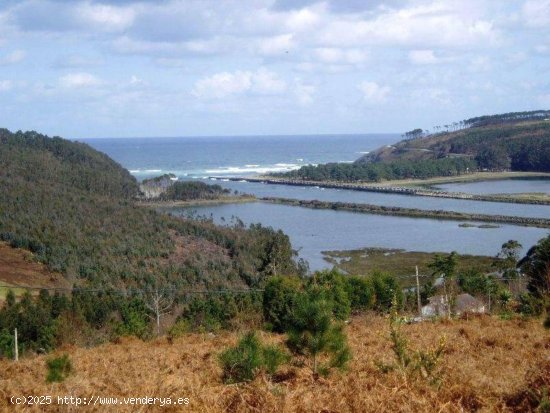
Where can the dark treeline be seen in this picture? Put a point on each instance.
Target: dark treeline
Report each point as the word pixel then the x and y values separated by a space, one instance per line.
pixel 511 117
pixel 375 172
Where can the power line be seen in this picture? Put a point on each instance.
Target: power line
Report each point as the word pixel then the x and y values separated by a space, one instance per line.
pixel 130 291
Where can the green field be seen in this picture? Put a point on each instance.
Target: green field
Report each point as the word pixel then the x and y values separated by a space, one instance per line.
pixel 399 263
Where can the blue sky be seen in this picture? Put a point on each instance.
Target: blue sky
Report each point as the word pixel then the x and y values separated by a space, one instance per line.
pixel 198 67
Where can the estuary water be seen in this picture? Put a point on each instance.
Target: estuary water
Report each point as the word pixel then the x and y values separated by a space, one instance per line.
pixel 406 201
pixel 504 186
pixel 314 231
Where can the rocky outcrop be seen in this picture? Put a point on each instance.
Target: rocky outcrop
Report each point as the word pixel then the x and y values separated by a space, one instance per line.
pixel 153 188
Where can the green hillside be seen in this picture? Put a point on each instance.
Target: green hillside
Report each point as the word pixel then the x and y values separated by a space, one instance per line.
pixel 73 207
pixel 516 142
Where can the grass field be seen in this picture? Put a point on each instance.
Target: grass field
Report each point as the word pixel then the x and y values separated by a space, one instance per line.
pixel 199 202
pixel 19 269
pixel 4 288
pixel 488 365
pixel 397 262
pixel 472 177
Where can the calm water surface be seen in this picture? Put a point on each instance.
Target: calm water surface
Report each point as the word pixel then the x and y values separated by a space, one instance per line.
pixel 504 186
pixel 406 201
pixel 312 231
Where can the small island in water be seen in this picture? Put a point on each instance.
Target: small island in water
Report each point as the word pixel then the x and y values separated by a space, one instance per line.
pixel 167 191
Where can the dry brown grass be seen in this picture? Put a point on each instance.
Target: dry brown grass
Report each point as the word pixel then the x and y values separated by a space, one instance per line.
pixel 489 366
pixel 19 268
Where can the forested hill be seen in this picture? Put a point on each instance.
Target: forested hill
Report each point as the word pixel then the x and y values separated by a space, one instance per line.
pixel 35 157
pixel 73 207
pixel 519 146
pixel 514 141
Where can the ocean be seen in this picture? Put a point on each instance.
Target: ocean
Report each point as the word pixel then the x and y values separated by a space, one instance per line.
pixel 196 157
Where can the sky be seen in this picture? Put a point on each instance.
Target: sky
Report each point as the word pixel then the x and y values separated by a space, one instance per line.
pixel 82 69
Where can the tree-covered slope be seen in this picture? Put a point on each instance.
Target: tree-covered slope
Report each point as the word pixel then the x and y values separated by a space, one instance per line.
pixel 34 157
pixel 74 208
pixel 520 146
pixel 514 141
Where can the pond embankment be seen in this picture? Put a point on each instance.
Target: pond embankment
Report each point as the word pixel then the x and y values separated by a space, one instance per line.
pixel 412 191
pixel 411 212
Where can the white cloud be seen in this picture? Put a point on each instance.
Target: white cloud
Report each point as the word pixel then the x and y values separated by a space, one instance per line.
pixel 480 64
pixel 134 80
pixel 543 48
pixel 267 82
pixel 276 45
pixel 221 85
pixel 5 85
pixel 438 24
pixel 105 17
pixel 536 13
pixel 423 57
pixel 14 57
pixel 373 92
pixel 128 45
pixel 341 56
pixel 79 80
pixel 304 92
pixel 304 19
pixel 438 96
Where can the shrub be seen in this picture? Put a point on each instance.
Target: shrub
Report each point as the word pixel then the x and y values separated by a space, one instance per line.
pixel 179 328
pixel 210 313
pixel 424 363
pixel 6 344
pixel 360 292
pixel 331 287
pixel 134 320
pixel 243 362
pixel 273 357
pixel 386 288
pixel 279 297
pixel 59 368
pixel 314 334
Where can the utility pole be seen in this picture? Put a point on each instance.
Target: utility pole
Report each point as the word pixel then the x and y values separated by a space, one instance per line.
pixel 16 347
pixel 418 294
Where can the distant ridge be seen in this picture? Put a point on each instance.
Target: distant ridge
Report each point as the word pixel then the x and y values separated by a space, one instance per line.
pixel 518 141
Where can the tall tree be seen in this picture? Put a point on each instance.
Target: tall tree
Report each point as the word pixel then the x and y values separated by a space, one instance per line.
pixel 506 261
pixel 445 267
pixel 536 265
